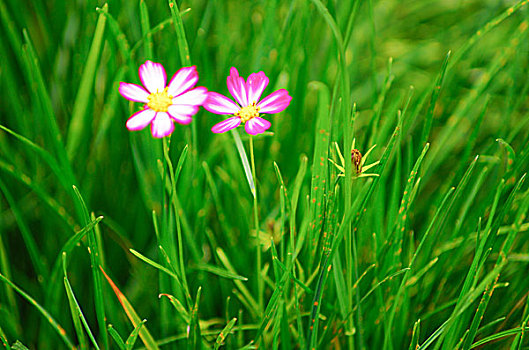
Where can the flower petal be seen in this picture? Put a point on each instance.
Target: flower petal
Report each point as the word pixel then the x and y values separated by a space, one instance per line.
pixel 182 110
pixel 276 102
pixel 153 76
pixel 226 125
pixel 192 97
pixel 162 125
pixel 133 92
pixel 140 119
pixel 256 84
pixel 256 126
pixel 181 119
pixel 220 104
pixel 237 87
pixel 184 79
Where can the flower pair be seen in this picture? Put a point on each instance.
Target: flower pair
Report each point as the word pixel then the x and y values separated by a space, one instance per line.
pixel 180 100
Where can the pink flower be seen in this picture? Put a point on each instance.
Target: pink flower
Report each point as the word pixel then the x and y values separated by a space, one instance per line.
pixel 176 102
pixel 248 107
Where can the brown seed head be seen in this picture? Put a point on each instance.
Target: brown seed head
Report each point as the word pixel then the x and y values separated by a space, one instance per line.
pixel 356 158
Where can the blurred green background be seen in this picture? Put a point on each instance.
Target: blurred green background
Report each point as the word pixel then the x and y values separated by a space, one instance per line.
pixel 451 73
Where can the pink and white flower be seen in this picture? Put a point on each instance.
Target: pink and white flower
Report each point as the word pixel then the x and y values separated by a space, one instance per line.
pixel 163 105
pixel 248 107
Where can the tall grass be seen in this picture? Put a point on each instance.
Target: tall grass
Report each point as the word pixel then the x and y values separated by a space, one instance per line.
pixel 175 243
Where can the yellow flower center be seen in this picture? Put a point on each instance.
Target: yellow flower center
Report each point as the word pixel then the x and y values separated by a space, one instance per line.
pixel 248 112
pixel 160 101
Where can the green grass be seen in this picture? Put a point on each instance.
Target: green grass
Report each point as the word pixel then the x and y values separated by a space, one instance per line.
pixel 224 241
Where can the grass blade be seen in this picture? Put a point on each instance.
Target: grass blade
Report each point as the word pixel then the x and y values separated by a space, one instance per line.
pixel 224 333
pixel 146 30
pixel 145 336
pixel 94 263
pixel 131 340
pixel 193 331
pixel 56 326
pixel 78 123
pixel 31 245
pixel 436 90
pixel 244 159
pixel 117 338
pixel 183 47
pixel 77 313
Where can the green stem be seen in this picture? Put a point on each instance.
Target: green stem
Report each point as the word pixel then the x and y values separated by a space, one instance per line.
pixel 185 60
pixel 260 281
pixel 163 281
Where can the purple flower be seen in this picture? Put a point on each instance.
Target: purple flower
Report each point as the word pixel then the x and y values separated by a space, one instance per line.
pixel 164 105
pixel 248 107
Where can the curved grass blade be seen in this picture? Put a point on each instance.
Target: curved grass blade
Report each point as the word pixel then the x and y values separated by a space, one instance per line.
pixel 319 167
pixel 29 241
pixel 95 261
pixel 3 340
pixel 146 30
pixel 183 47
pixel 77 313
pixel 145 336
pixel 221 215
pixel 519 340
pixel 185 60
pixel 19 346
pixel 9 293
pixel 499 335
pixel 66 177
pixel 157 266
pixel 436 90
pixel 79 121
pixel 509 151
pixel 485 29
pixel 245 292
pixel 272 306
pixel 12 32
pixel 378 284
pixel 159 27
pixel 220 272
pixel 224 333
pixel 41 92
pixel 40 192
pixel 69 246
pixel 180 164
pixel 398 233
pixel 294 278
pixel 117 338
pixel 107 115
pixel 121 40
pixel 415 335
pixel 131 340
pixel 244 159
pixel 45 155
pixel 194 340
pixel 54 324
pixel 182 312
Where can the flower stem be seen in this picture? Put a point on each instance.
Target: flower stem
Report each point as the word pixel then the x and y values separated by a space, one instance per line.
pixel 163 282
pixel 260 281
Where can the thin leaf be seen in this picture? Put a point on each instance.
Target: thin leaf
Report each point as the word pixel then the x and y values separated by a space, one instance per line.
pixel 224 333
pixel 131 340
pixel 244 159
pixel 79 121
pixel 145 336
pixel 56 326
